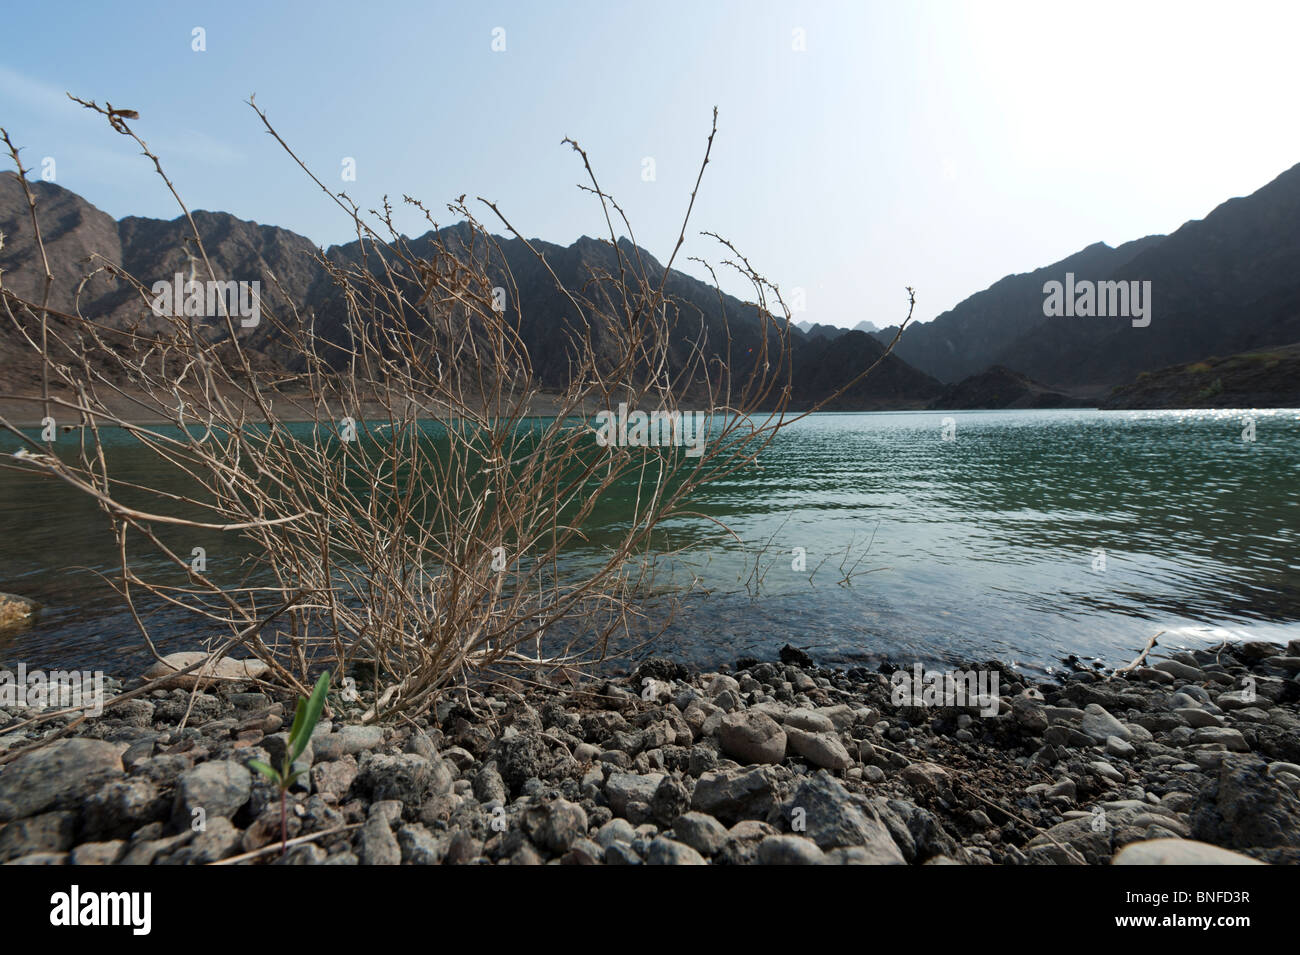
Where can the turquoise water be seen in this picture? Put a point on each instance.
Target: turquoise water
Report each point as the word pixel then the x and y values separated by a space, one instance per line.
pixel 1028 536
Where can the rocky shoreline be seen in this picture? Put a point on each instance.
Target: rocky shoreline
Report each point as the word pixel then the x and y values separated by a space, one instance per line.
pixel 1192 759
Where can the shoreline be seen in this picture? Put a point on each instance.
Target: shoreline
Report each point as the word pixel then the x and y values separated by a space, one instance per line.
pixel 1192 759
pixel 19 413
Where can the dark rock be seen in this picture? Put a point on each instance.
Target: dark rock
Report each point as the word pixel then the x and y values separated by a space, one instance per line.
pixel 793 656
pixel 48 832
pixel 789 850
pixel 669 801
pixel 822 809
pixel 555 825
pixel 120 808
pixel 406 777
pixel 664 851
pixel 57 775
pixel 734 794
pixel 1244 808
pixel 377 844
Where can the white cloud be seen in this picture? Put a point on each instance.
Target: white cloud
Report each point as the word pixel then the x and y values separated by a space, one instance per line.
pixel 34 94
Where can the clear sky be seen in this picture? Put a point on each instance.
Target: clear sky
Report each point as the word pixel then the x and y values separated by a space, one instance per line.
pixel 941 145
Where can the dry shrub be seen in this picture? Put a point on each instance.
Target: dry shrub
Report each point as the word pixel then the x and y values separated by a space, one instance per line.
pixel 396 499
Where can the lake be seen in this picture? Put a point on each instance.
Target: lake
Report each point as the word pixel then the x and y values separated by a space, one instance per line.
pixel 1018 535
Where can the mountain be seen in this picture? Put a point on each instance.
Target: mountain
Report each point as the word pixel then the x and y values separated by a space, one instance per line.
pixel 814 330
pixel 822 364
pixel 1223 284
pixel 1258 379
pixel 294 286
pixel 1001 387
pixel 981 330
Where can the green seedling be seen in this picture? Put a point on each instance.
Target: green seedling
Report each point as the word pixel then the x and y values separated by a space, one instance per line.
pixel 304 721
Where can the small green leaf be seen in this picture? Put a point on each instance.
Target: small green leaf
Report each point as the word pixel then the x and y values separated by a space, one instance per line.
pixel 299 738
pixel 297 719
pixel 267 771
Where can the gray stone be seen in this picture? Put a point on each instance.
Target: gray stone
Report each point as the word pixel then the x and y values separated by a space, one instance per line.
pixel 120 808
pixel 616 830
pixel 1151 675
pixel 1196 717
pixel 408 778
pixel 790 850
pixel 1106 771
pixel 619 853
pixel 419 846
pixel 701 832
pixel 555 825
pixel 743 840
pixel 1063 788
pixel 57 775
pixel 389 810
pixel 1029 713
pixel 623 788
pixel 226 668
pixel 1100 725
pixel 42 858
pixel 664 851
pixel 334 777
pixel 583 852
pixel 218 788
pixel 808 720
pixel 1179 852
pixel 218 840
pixel 489 787
pixel 926 777
pixel 134 713
pixel 831 818
pixel 863 855
pixel 348 740
pixel 752 737
pixel 823 750
pixel 721 684
pixel 1238 700
pixel 96 853
pixel 1244 808
pixel 378 846
pixel 1117 747
pixel 48 832
pixel 1180 671
pixel 149 851
pixel 1229 738
pixel 305 854
pixel 734 794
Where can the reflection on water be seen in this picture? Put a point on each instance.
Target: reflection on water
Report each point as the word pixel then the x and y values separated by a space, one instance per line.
pixel 1031 535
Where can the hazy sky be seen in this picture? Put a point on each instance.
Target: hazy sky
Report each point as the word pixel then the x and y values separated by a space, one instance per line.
pixel 941 145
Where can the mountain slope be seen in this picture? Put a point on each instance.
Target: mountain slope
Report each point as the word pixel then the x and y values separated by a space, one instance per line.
pixel 1259 379
pixel 979 331
pixel 295 288
pixel 1000 387
pixel 1223 284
